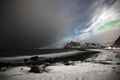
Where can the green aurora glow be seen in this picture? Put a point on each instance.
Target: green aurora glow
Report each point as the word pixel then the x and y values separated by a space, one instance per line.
pixel 110 25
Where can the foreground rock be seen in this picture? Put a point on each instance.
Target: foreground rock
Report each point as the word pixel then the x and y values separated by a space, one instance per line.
pixel 35 69
pixel 117 42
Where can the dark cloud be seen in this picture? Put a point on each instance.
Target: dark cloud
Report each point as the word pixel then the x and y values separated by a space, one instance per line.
pixel 38 23
pixel 110 2
pixel 32 24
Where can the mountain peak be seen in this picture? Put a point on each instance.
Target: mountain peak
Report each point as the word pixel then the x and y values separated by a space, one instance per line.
pixel 117 42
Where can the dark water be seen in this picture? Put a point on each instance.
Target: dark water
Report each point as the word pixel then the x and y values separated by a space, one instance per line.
pixel 23 52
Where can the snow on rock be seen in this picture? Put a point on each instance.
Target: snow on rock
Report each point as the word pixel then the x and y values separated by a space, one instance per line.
pixel 83 45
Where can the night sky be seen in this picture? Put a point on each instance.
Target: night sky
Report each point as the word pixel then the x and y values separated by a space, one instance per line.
pixel 33 24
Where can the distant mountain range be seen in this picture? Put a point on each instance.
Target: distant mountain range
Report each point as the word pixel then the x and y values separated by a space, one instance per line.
pixel 83 45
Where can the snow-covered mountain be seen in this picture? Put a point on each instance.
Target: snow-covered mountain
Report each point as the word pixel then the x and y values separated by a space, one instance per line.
pixel 83 45
pixel 92 45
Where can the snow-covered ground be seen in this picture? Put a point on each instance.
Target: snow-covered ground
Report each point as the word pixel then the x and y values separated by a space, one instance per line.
pixel 91 69
pixel 107 56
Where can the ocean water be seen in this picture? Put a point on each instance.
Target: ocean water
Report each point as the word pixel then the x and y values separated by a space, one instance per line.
pixel 24 52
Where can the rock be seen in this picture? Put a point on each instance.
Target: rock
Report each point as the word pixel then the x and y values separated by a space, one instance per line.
pixel 117 42
pixel 35 69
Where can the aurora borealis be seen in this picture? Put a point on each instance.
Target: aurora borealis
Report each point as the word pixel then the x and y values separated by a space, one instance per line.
pixel 110 25
pixel 100 23
pixel 32 24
